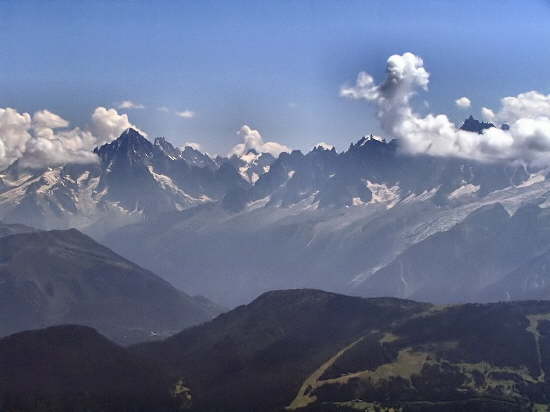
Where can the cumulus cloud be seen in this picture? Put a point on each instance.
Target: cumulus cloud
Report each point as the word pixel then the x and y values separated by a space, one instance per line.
pixel 404 75
pixel 324 146
pixel 128 104
pixel 14 134
pixel 45 139
pixel 108 124
pixel 527 140
pixel 487 114
pixel 50 146
pixel 186 114
pixel 48 120
pixel 529 105
pixel 192 145
pixel 252 140
pixel 463 103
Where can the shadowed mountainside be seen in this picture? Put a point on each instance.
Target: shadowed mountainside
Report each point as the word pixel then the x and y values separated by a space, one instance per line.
pixel 297 350
pixel 55 277
pixel 70 368
pixel 322 351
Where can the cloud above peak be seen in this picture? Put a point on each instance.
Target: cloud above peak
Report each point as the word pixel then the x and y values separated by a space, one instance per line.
pixel 252 140
pixel 405 74
pixel 463 103
pixel 108 124
pixel 192 145
pixel 526 140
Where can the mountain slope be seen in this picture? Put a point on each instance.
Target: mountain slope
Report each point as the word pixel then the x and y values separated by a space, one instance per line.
pixel 70 368
pixel 58 277
pixel 312 350
pixel 163 182
pixel 531 280
pixel 231 257
pixel 12 229
pixel 475 255
pixel 271 343
pixel 303 350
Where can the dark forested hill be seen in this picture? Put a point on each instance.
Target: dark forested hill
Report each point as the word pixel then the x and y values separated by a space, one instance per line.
pixel 73 368
pixel 322 351
pixel 298 350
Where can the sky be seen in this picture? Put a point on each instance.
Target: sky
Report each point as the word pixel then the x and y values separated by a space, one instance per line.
pixel 203 69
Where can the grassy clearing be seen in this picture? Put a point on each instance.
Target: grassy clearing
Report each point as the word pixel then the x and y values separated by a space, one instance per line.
pixel 304 397
pixel 407 364
pixel 368 406
pixel 533 328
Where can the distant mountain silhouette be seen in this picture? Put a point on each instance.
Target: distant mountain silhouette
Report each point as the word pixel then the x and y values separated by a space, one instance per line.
pixel 55 277
pixel 229 228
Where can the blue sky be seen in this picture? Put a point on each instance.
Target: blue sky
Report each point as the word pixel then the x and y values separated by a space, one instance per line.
pixel 275 65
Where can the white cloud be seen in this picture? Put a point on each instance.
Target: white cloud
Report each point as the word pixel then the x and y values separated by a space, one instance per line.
pixel 529 105
pixel 36 140
pixel 50 147
pixel 487 114
pixel 463 103
pixel 47 119
pixel 128 104
pixel 163 109
pixel 252 140
pixel 192 145
pixel 528 115
pixel 14 134
pixel 404 75
pixel 325 146
pixel 186 114
pixel 108 124
pixel 44 139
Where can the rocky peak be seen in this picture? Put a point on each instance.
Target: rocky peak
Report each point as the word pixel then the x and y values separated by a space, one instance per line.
pixel 167 148
pixel 473 125
pixel 130 144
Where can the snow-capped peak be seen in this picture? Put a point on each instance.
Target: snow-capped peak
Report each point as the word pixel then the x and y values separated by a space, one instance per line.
pixel 365 139
pixel 324 146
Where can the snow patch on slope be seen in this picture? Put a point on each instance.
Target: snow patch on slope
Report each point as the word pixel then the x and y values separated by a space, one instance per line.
pixel 49 179
pixel 381 193
pixel 167 183
pixel 533 178
pixel 464 190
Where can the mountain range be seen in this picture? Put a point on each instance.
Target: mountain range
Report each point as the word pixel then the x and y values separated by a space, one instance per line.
pixel 412 238
pixel 360 221
pixel 132 179
pixel 303 350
